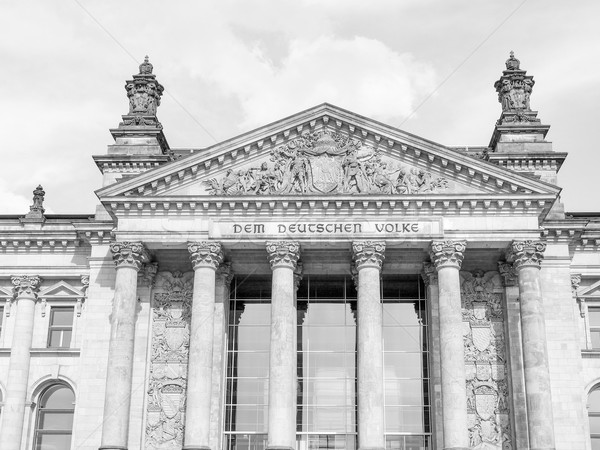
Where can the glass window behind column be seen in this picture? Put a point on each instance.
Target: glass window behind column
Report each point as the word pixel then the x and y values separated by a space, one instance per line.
pixel 406 372
pixel 247 394
pixel 594 317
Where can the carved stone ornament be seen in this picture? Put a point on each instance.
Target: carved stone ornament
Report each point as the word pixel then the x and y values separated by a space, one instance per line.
pixel 144 92
pixel 167 384
pixel 525 254
pixel 206 254
pixel 447 253
pixel 508 273
pixel 148 273
pixel 129 254
pixel 368 254
pixel 26 286
pixel 297 275
pixel 283 253
pixel 225 274
pixel 326 163
pixel 429 274
pixel 575 281
pixel 488 406
pixel 514 87
pixel 36 210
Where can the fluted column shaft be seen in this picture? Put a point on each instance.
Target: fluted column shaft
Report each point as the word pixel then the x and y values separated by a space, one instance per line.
pixel 526 257
pixel 447 257
pixel 128 257
pixel 13 412
pixel 206 257
pixel 283 257
pixel 368 258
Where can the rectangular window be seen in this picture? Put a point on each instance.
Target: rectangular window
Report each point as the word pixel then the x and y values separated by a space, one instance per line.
pixel 61 327
pixel 594 318
pixel 1 318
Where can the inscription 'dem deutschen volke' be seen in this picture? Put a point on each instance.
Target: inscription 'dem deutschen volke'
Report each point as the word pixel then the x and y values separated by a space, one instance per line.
pixel 300 228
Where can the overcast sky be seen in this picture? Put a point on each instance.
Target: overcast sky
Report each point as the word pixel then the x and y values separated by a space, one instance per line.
pixel 426 66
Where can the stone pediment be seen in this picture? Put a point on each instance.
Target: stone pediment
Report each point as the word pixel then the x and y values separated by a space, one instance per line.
pixel 326 152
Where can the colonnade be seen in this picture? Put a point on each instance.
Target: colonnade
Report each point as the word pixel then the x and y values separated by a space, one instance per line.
pixel 368 256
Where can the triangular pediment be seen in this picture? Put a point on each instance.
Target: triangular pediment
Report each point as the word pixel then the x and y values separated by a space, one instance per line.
pixel 327 152
pixel 61 289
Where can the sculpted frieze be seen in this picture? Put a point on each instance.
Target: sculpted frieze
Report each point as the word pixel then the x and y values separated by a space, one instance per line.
pixel 485 361
pixel 326 163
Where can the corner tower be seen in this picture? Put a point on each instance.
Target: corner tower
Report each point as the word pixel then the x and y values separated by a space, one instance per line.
pixel 140 143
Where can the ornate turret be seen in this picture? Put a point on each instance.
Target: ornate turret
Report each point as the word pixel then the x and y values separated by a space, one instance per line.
pixel 140 132
pixel 140 143
pixel 517 124
pixel 36 210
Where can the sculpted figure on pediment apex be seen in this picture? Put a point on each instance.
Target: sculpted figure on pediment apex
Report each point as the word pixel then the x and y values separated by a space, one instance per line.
pixel 325 163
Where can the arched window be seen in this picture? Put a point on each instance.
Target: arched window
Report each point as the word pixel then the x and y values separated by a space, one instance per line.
pixel 594 415
pixel 54 421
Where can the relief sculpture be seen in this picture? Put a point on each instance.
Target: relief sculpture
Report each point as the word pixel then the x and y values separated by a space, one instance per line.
pixel 485 361
pixel 168 365
pixel 324 163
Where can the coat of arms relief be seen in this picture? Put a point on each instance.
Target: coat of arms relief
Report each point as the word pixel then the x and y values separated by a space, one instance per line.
pixel 326 163
pixel 168 364
pixel 485 361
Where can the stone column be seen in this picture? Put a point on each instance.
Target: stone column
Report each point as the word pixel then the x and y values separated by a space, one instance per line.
pixel 368 258
pixel 526 257
pixel 283 256
pixel 13 413
pixel 206 257
pixel 447 257
pixel 128 257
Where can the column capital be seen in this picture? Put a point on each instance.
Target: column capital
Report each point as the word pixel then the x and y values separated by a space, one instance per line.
pixel 283 253
pixel 206 254
pixel 508 273
pixel 368 254
pixel 447 253
pixel 429 274
pixel 525 253
pixel 26 285
pixel 129 254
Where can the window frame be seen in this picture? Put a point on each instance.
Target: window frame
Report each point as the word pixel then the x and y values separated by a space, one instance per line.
pixel 60 328
pixel 37 432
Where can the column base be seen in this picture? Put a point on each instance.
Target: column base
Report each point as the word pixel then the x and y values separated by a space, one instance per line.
pixel 459 448
pixel 112 447
pixel 195 447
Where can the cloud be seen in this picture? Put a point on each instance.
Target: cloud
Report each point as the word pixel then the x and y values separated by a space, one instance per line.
pixel 361 74
pixel 11 203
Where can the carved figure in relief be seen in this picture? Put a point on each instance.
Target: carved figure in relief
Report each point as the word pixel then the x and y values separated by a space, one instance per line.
pixel 325 163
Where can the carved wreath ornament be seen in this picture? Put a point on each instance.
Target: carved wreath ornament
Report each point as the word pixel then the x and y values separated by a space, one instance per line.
pixel 324 163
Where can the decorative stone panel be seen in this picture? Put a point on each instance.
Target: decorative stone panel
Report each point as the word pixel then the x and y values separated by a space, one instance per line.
pixel 485 361
pixel 171 314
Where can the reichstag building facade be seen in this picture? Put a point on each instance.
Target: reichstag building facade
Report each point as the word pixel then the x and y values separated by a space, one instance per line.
pixel 326 281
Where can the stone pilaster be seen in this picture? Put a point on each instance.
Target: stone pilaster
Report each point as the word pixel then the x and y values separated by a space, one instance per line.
pixel 526 257
pixel 129 258
pixel 368 259
pixel 25 290
pixel 206 258
pixel 283 257
pixel 447 256
pixel 516 380
pixel 430 278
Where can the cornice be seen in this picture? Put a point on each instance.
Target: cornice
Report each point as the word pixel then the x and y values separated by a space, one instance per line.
pixel 526 162
pixel 383 137
pixel 436 204
pixel 129 163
